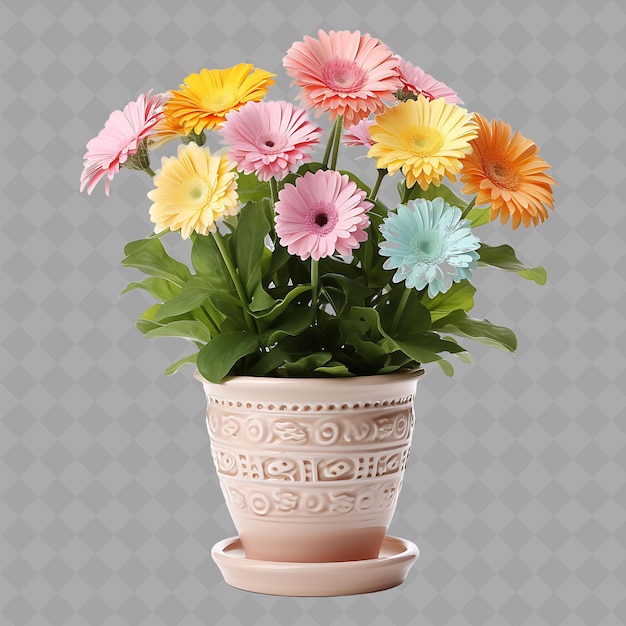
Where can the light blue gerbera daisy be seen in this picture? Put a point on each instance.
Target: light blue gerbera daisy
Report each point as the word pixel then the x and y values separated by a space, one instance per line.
pixel 429 244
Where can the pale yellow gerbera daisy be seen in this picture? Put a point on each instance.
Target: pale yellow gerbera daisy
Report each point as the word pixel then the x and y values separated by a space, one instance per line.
pixel 205 98
pixel 424 138
pixel 193 191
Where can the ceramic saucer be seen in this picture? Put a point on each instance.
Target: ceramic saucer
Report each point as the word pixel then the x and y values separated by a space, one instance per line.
pixel 315 579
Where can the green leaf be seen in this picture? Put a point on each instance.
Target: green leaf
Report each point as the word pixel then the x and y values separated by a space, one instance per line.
pixel 457 323
pixel 208 263
pixel 190 297
pixel 217 358
pixel 247 244
pixel 415 316
pixel 281 305
pixel 251 189
pixel 149 256
pixel 353 292
pixel 305 365
pixel 293 322
pixel 261 300
pixel 334 369
pixel 442 191
pixel 269 362
pixel 159 288
pixel 193 330
pixel 446 367
pixel 426 347
pixel 421 346
pixel 504 257
pixel 353 334
pixel 459 296
pixel 479 216
pixel 229 307
pixel 188 360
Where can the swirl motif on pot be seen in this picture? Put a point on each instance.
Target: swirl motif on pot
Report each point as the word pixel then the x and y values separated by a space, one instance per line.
pixel 335 469
pixel 260 503
pixel 282 469
pixel 290 431
pixel 285 501
pixel 267 501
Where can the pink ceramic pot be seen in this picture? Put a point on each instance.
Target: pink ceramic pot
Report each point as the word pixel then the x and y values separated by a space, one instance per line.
pixel 311 469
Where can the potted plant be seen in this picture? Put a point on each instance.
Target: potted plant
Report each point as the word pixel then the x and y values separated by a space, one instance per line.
pixel 312 303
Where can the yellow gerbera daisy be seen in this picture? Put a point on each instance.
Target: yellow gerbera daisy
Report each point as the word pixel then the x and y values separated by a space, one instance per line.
pixel 205 98
pixel 193 190
pixel 425 138
pixel 508 172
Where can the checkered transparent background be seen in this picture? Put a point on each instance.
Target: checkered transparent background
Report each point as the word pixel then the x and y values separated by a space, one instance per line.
pixel 515 491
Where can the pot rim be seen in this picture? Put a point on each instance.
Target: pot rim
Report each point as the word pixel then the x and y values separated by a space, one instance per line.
pixel 297 381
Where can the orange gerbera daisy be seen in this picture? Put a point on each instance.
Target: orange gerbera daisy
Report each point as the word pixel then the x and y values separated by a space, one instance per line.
pixel 508 173
pixel 205 98
pixel 167 128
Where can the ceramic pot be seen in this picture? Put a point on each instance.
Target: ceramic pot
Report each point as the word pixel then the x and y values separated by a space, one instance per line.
pixel 311 469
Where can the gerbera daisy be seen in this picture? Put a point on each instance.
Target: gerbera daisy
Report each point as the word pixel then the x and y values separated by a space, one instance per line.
pixel 323 213
pixel 269 138
pixel 415 81
pixel 508 173
pixel 359 134
pixel 205 98
pixel 425 138
pixel 120 139
pixel 167 128
pixel 344 73
pixel 429 244
pixel 193 191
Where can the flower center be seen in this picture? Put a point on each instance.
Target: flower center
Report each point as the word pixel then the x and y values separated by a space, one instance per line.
pixel 218 100
pixel 501 176
pixel 427 246
pixel 424 141
pixel 198 191
pixel 269 143
pixel 343 76
pixel 321 218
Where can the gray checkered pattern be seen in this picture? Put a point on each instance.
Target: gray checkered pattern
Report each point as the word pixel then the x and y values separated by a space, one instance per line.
pixel 515 489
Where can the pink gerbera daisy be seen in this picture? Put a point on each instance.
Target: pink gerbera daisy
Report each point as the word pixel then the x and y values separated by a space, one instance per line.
pixel 359 134
pixel 323 213
pixel 416 82
pixel 269 138
pixel 344 73
pixel 120 138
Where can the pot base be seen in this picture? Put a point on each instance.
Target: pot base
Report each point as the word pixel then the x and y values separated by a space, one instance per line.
pixel 315 579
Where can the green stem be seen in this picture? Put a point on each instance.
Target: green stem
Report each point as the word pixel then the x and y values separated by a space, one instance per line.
pixel 329 146
pixel 337 141
pixel 400 309
pixel 149 170
pixel 468 208
pixel 379 180
pixel 406 194
pixel 210 322
pixel 274 190
pixel 232 270
pixel 314 285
